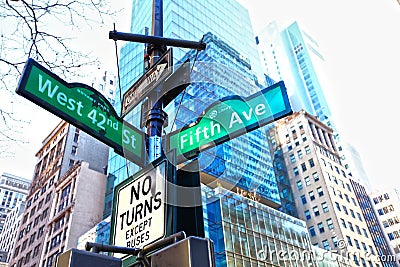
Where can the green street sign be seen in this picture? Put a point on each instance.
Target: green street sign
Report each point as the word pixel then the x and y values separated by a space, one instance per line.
pixel 228 118
pixel 84 107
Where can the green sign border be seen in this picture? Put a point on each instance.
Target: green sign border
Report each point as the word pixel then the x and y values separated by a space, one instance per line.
pixel 118 148
pixel 194 152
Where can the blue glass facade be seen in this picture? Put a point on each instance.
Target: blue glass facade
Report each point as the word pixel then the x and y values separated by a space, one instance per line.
pixel 291 55
pixel 229 65
pixel 308 87
pixel 247 233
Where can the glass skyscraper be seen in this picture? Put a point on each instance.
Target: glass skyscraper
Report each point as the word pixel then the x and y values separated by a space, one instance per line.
pixel 232 56
pixel 292 55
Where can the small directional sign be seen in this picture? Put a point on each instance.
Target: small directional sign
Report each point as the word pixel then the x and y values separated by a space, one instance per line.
pixel 228 118
pixel 84 107
pixel 141 89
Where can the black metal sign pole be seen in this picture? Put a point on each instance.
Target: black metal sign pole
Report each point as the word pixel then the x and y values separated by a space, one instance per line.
pixel 157 116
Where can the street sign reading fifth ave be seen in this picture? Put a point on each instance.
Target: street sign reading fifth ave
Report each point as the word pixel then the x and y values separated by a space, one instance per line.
pixel 142 87
pixel 228 118
pixel 139 213
pixel 83 107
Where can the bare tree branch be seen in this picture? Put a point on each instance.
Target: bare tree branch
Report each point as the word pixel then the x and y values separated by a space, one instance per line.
pixel 43 30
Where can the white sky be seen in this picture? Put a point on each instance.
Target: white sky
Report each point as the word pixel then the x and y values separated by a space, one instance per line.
pixel 360 41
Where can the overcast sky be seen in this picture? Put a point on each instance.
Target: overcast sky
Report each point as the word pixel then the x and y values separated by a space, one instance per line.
pixel 360 41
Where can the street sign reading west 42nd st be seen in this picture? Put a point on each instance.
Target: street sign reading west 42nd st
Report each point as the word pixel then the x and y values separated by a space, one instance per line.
pixel 84 107
pixel 228 118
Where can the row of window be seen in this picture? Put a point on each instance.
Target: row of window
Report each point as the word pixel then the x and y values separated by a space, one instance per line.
pixel 336 181
pixel 311 195
pixel 381 198
pixel 31 240
pixel 292 157
pixel 391 221
pixel 394 235
pixel 346 211
pixel 27 229
pixel 320 227
pixel 40 193
pixel 38 207
pixel 343 196
pixel 385 210
pixel 307 181
pixel 28 256
pixel 303 167
pixel 316 211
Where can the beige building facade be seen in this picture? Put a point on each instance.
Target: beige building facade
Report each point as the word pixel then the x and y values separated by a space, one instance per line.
pixel 61 149
pixel 387 207
pixel 77 207
pixel 322 190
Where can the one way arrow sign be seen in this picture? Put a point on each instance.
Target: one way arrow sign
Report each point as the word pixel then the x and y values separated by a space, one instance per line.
pixel 141 89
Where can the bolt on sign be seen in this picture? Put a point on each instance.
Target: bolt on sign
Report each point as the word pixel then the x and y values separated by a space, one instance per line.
pixel 139 213
pixel 229 118
pixel 84 107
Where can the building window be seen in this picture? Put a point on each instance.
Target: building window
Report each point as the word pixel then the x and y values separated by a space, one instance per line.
pixel 349 241
pixel 320 191
pixel 329 222
pixel 357 243
pixel 325 208
pixel 365 233
pixel 311 161
pixel 307 181
pixel 303 199
pixel 315 176
pixel 36 251
pixel 48 197
pixel 307 149
pixel 299 185
pixel 300 154
pixel 316 210
pixel 345 210
pixel 358 229
pixel 71 163
pixel 307 214
pixel 350 226
pixel 337 206
pixel 335 241
pixel 16 251
pixel 311 195
pixel 292 158
pixel 312 231
pixel 321 227
pixel 348 187
pixel 74 150
pixel 303 167
pixel 372 250
pixel 352 213
pixel 343 223
pixel 325 245
pixel 359 217
pixel 296 171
